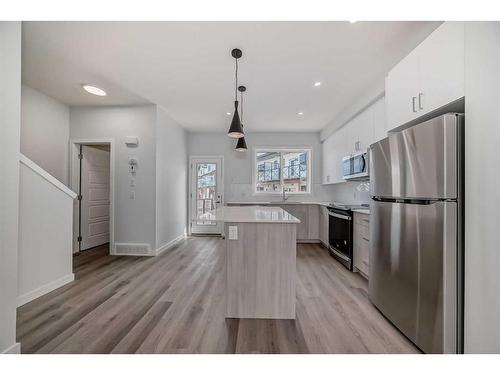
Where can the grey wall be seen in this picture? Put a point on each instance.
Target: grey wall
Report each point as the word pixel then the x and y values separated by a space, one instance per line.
pixel 238 167
pixel 45 132
pixel 171 179
pixel 134 218
pixel 482 187
pixel 10 110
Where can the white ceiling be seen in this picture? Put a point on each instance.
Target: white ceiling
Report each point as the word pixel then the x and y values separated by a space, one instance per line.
pixel 186 67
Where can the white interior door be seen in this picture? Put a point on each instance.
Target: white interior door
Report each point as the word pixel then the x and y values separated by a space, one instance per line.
pixel 95 196
pixel 206 193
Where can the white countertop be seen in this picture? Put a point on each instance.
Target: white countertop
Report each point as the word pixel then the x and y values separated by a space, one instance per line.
pixel 278 203
pixel 250 214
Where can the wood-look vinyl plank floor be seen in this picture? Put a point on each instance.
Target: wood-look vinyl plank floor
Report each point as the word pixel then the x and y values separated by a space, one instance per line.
pixel 174 303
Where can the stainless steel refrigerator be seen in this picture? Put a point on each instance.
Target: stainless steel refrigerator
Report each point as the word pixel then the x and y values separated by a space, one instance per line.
pixel 416 258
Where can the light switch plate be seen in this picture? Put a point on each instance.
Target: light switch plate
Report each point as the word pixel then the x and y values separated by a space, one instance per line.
pixel 233 232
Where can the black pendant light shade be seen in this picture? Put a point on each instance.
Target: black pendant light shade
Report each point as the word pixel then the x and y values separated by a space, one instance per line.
pixel 235 130
pixel 241 146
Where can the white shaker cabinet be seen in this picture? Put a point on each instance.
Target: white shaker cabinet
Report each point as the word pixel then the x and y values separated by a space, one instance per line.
pixel 323 225
pixel 361 245
pixel 431 76
pixel 328 157
pixel 442 58
pixel 379 120
pixel 367 127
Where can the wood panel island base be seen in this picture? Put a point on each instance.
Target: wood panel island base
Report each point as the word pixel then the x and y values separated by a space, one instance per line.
pixel 260 261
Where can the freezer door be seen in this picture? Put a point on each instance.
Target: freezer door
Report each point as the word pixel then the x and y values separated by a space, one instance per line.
pixel 413 271
pixel 419 162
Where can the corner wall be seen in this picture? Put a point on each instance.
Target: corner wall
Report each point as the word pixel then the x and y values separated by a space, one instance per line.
pixel 10 117
pixel 171 180
pixel 482 187
pixel 135 220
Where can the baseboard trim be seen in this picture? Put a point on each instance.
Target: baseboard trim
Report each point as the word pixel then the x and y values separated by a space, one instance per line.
pixel 308 241
pixel 170 244
pixel 14 349
pixel 44 289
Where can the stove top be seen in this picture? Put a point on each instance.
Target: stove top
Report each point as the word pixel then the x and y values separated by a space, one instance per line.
pixel 344 206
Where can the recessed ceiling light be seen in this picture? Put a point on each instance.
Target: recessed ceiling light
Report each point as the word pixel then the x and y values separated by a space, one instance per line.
pixel 300 113
pixel 94 90
pixel 316 84
pixel 228 113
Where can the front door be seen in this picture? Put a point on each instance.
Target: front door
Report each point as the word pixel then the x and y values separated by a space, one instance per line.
pixel 95 196
pixel 206 192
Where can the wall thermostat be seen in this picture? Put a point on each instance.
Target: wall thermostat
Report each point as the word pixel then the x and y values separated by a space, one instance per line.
pixel 131 141
pixel 132 162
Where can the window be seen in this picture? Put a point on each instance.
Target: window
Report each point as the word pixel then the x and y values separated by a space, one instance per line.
pixel 276 170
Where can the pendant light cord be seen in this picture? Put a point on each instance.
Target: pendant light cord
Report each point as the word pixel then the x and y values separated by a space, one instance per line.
pixel 236 87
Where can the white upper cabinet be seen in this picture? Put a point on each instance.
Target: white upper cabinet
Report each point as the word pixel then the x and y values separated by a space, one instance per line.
pixel 328 149
pixel 401 86
pixel 379 120
pixel 442 67
pixel 431 76
pixel 366 128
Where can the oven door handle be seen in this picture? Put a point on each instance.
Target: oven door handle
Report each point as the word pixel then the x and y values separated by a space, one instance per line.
pixel 339 254
pixel 339 216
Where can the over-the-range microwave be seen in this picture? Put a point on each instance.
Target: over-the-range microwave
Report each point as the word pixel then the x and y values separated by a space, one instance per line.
pixel 355 166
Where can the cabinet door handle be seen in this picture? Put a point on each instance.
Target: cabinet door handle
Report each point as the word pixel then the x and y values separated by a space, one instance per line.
pixel 414 103
pixel 420 101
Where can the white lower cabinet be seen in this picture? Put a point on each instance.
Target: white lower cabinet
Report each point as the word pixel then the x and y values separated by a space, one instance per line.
pixel 323 225
pixel 361 245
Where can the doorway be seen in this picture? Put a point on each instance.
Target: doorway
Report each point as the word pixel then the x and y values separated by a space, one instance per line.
pixel 206 192
pixel 92 179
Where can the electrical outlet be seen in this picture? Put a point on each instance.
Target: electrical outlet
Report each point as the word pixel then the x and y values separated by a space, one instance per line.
pixel 233 232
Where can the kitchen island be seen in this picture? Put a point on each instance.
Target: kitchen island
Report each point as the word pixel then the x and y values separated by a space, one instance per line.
pixel 260 261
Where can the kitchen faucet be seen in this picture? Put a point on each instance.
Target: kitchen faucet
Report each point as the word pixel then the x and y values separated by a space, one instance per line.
pixel 284 197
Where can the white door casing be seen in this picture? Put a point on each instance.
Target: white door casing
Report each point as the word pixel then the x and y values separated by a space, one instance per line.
pixel 95 196
pixel 206 192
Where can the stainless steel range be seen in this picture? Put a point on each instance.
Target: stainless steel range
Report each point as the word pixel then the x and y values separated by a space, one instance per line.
pixel 340 232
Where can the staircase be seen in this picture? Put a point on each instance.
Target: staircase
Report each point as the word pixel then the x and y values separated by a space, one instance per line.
pixel 45 232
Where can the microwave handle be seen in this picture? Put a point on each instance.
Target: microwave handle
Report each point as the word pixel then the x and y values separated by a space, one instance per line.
pixel 364 163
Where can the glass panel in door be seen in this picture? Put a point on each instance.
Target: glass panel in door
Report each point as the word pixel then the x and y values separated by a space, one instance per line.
pixel 206 194
pixel 206 190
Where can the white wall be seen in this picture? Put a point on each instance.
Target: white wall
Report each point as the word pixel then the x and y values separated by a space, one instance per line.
pixel 45 253
pixel 351 192
pixel 171 179
pixel 134 218
pixel 45 132
pixel 482 187
pixel 238 166
pixel 10 117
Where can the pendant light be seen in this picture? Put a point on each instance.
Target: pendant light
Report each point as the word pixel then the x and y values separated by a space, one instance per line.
pixel 241 146
pixel 235 130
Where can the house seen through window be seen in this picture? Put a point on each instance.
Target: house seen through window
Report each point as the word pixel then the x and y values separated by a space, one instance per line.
pixel 282 169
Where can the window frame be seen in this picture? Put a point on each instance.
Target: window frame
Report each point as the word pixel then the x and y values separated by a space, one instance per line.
pixel 281 150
